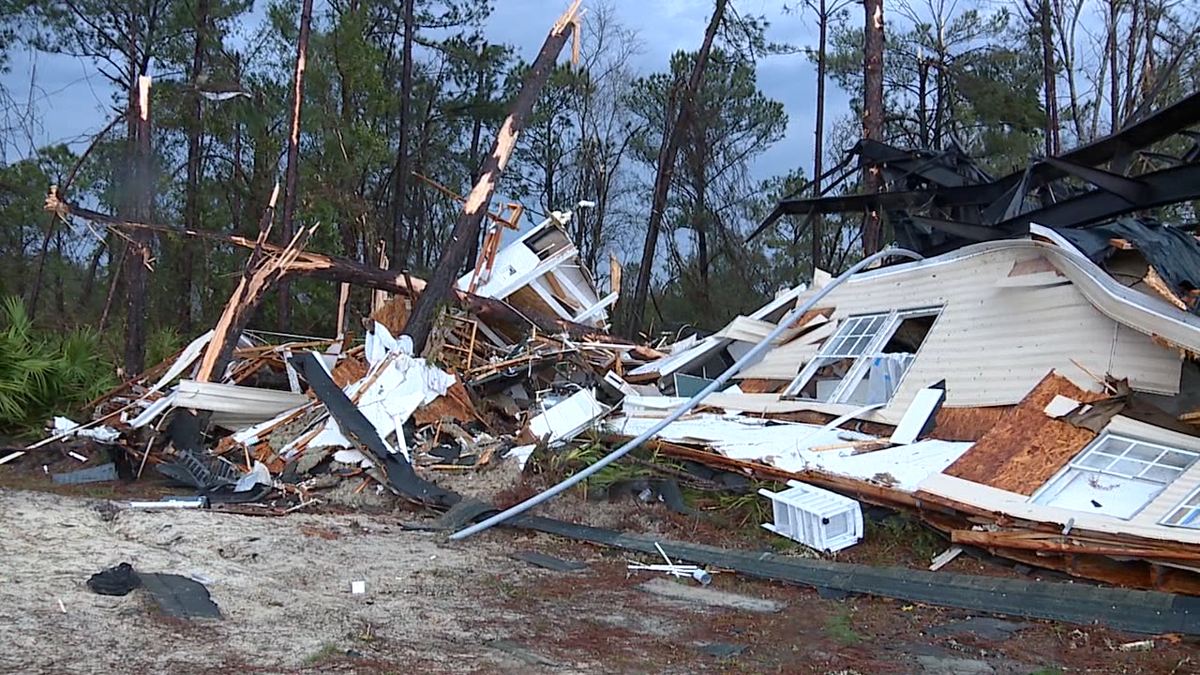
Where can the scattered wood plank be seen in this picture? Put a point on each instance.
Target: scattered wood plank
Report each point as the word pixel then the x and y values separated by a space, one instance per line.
pixel 945 558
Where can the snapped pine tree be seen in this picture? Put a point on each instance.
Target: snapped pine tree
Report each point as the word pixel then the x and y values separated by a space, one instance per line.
pixel 466 228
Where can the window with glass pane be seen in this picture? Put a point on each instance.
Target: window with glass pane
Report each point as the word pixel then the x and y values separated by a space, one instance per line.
pixel 864 361
pixel 837 356
pixel 1115 476
pixel 1187 514
pixel 1129 458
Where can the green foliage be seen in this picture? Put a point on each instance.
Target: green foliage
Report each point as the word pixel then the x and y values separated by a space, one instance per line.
pixel 838 628
pixel 980 76
pixel 45 372
pixel 902 530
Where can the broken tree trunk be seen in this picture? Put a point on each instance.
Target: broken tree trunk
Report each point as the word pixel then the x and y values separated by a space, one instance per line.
pixel 873 116
pixel 662 180
pixel 330 268
pixel 138 262
pixel 263 268
pixel 466 229
pixel 292 176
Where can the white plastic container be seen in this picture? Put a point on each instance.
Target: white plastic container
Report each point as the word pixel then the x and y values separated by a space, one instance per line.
pixel 817 518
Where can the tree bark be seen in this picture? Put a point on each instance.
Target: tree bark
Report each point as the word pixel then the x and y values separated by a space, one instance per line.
pixel 400 236
pixel 476 134
pixel 1115 83
pixel 668 151
pixel 292 175
pixel 466 229
pixel 191 215
pixel 139 260
pixel 818 222
pixel 1049 79
pixel 873 116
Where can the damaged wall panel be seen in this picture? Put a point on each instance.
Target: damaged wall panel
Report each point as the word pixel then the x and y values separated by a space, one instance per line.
pixel 1027 447
pixel 993 344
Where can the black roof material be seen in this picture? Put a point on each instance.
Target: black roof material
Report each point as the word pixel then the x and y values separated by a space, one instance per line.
pixel 1173 251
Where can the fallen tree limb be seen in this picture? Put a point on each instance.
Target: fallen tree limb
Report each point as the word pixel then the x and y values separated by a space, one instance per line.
pixel 334 268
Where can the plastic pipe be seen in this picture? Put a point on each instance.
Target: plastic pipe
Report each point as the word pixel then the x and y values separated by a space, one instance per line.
pixel 620 452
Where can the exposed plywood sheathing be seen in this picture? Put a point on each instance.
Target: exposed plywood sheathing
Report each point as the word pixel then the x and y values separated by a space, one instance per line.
pixel 456 404
pixel 350 369
pixel 1036 266
pixel 967 424
pixel 1027 447
pixel 394 314
pixel 761 386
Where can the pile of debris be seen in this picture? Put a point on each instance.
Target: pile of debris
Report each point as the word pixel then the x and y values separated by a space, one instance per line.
pixel 285 421
pixel 1033 393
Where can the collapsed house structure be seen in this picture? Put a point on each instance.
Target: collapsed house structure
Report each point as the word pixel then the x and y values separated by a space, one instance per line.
pixel 1028 388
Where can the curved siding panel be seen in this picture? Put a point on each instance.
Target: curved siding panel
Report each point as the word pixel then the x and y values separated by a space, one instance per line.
pixel 992 344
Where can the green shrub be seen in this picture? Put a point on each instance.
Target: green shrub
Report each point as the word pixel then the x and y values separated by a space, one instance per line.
pixel 46 372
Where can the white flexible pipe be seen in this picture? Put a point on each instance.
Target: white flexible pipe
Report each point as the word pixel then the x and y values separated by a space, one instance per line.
pixel 758 349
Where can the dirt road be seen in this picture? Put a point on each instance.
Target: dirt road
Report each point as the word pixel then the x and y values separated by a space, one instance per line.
pixel 283 585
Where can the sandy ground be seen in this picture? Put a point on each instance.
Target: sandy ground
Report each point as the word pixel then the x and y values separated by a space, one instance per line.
pixel 283 585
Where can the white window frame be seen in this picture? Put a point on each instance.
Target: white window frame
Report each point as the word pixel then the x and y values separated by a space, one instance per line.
pixel 862 360
pixel 1098 447
pixel 1191 505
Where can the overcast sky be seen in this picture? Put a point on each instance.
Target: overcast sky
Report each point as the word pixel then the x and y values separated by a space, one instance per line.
pixel 73 101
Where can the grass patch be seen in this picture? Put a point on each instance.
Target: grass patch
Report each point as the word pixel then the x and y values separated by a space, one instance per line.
pixel 838 628
pixel 1047 671
pixel 326 652
pixel 901 531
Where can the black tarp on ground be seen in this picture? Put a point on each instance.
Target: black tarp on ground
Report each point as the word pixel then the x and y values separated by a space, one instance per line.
pixel 1173 251
pixel 180 597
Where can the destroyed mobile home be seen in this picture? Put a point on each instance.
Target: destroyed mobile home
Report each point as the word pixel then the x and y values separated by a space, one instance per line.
pixel 1024 389
pixel 1012 393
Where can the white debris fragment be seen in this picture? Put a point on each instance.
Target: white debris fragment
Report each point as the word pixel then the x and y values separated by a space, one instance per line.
pixel 522 453
pixel 259 475
pixel 352 456
pixel 104 434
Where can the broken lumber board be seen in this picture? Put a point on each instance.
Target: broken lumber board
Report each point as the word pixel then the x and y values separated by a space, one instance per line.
pixel 1051 543
pixel 853 445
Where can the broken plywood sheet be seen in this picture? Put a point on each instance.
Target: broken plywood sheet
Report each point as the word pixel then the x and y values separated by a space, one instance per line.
pixel 967 424
pixel 1027 447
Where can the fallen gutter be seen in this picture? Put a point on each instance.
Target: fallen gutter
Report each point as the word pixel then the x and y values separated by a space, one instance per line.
pixel 750 357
